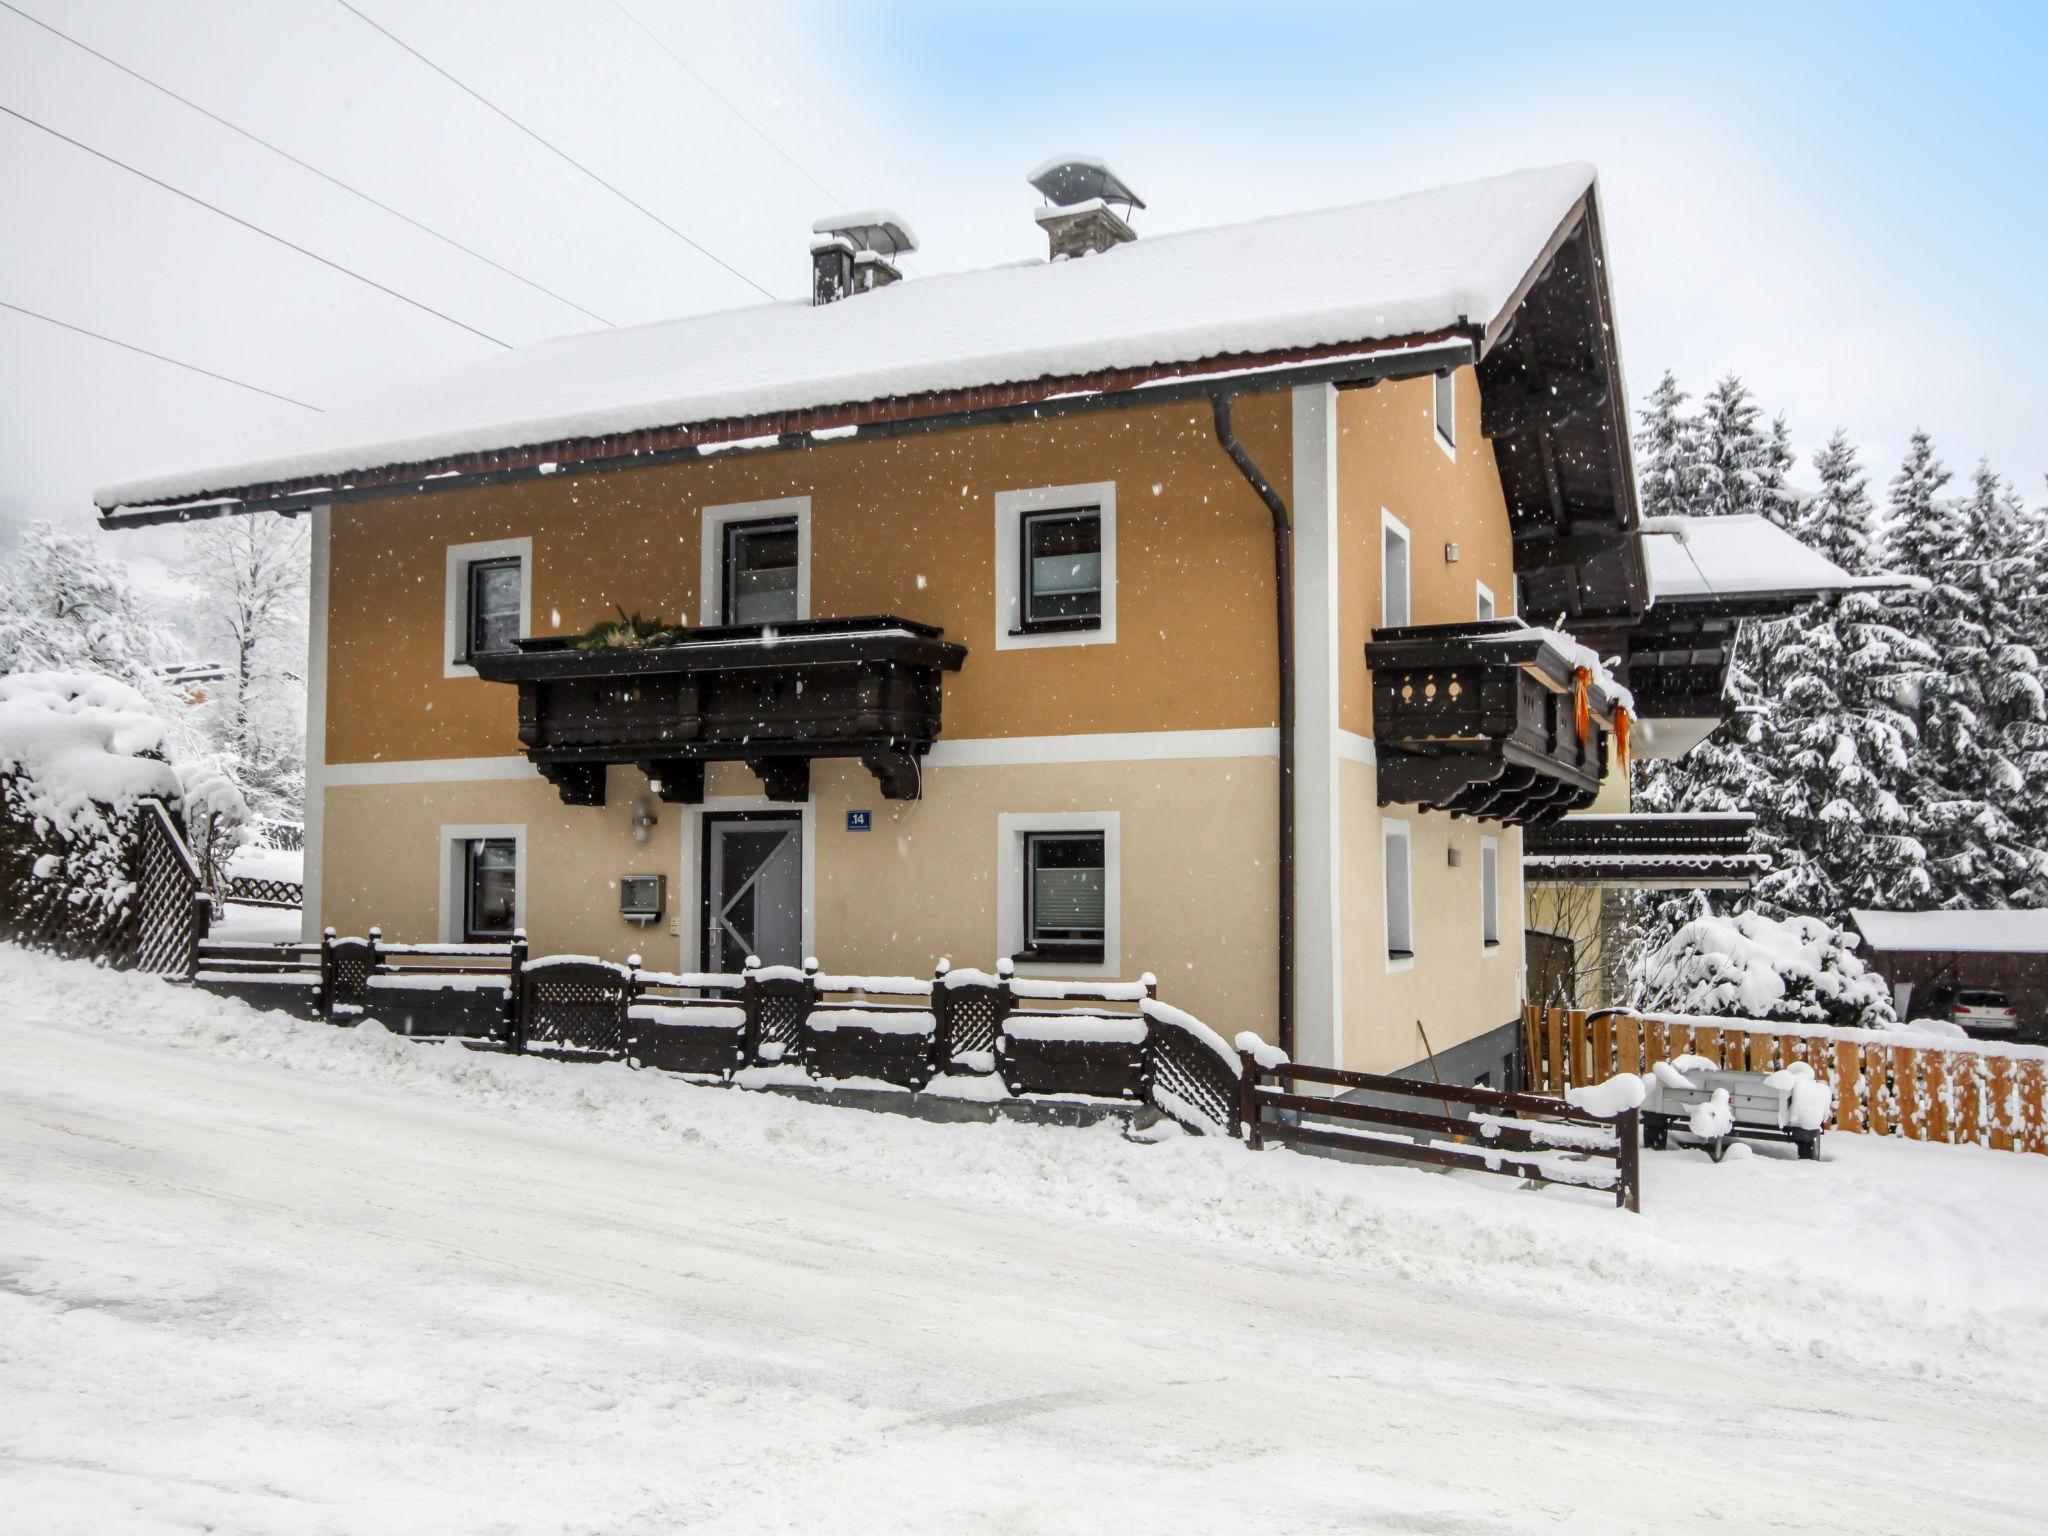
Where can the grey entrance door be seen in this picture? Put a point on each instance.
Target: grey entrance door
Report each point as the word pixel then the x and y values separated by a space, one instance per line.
pixel 753 891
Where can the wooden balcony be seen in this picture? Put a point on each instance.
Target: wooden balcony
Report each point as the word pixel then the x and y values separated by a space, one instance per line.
pixel 1695 850
pixel 1480 720
pixel 772 696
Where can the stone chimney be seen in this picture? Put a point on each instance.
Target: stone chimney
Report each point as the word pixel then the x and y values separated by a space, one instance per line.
pixel 1079 217
pixel 852 251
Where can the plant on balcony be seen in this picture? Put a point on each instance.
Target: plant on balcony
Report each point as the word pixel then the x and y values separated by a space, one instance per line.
pixel 628 632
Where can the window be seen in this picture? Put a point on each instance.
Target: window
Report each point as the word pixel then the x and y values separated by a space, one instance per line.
pixel 488 601
pixel 1061 567
pixel 1393 572
pixel 490 886
pixel 494 612
pixel 1485 601
pixel 760 571
pixel 1055 566
pixel 1489 892
pixel 1400 910
pixel 1065 895
pixel 1447 409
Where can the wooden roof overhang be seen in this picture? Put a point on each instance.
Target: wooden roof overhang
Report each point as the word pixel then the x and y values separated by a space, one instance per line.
pixel 772 696
pixel 1480 719
pixel 1550 379
pixel 1706 851
pixel 1676 657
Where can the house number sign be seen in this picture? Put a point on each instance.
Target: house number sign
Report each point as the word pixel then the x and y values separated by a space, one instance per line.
pixel 860 821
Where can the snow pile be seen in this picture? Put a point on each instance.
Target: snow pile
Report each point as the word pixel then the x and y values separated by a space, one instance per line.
pixel 1669 1075
pixel 1618 1095
pixel 1810 1103
pixel 1712 1118
pixel 1266 1054
pixel 880 1021
pixel 1800 970
pixel 80 744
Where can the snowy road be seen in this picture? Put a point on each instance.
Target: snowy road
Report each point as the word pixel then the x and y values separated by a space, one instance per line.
pixel 257 1277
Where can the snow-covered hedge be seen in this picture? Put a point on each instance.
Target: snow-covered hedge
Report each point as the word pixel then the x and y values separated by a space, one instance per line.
pixel 1800 970
pixel 78 751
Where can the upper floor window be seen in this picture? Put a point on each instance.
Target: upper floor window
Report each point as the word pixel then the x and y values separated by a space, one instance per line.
pixel 760 571
pixel 1393 572
pixel 1055 561
pixel 495 613
pixel 1065 896
pixel 488 600
pixel 1062 570
pixel 1446 384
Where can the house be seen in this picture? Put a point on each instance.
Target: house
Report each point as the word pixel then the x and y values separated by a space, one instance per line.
pixel 1153 607
pixel 1923 954
pixel 1709 576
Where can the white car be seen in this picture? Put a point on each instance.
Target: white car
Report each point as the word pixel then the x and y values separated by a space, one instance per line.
pixel 1984 1013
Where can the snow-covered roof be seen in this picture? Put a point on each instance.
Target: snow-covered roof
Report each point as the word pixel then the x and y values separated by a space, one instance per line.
pixel 2002 931
pixel 1380 272
pixel 1746 555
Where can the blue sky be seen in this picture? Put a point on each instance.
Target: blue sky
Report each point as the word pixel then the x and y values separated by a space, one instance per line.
pixel 1846 203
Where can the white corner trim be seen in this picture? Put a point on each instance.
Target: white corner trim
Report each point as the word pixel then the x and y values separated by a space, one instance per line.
pixel 1010 830
pixel 1010 509
pixel 1391 832
pixel 1107 747
pixel 689 906
pixel 318 583
pixel 453 896
pixel 1392 524
pixel 1354 748
pixel 1318 831
pixel 711 525
pixel 455 598
pixel 424 770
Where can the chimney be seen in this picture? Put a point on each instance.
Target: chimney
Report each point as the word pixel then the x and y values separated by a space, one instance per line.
pixel 1078 218
pixel 852 251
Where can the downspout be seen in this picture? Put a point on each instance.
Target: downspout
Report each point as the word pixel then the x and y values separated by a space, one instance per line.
pixel 1283 606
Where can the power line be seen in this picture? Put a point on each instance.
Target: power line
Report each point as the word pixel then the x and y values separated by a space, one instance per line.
pixel 254 228
pixel 301 164
pixel 115 341
pixel 561 154
pixel 717 96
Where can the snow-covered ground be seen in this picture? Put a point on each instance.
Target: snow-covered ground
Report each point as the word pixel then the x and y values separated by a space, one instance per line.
pixel 273 1277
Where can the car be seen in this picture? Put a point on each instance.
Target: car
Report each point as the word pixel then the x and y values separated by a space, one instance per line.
pixel 1976 1009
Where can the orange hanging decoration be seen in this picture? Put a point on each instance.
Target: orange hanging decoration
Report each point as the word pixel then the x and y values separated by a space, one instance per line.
pixel 1621 737
pixel 1582 701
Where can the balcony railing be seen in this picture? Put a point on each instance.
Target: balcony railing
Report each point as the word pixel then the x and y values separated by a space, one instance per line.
pixel 772 696
pixel 1683 851
pixel 1482 719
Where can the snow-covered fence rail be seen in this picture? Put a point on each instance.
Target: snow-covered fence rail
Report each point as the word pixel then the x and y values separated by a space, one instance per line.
pixel 1593 1141
pixel 1885 1082
pixel 1091 1039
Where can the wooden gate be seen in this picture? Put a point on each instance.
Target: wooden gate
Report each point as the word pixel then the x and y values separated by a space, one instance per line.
pixel 170 904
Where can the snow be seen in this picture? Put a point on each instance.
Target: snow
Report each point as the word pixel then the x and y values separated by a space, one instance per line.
pixel 1670 1076
pixel 79 742
pixel 1082 1028
pixel 285 1278
pixel 1712 1118
pixel 1371 273
pixel 1755 967
pixel 253 863
pixel 875 986
pixel 240 923
pixel 690 1015
pixel 1606 689
pixel 1616 1096
pixel 2009 931
pixel 899 1021
pixel 1267 1055
pixel 1743 554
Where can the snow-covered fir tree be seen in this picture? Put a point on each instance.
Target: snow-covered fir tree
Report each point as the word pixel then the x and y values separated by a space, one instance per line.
pixel 65 607
pixel 1742 465
pixel 1667 452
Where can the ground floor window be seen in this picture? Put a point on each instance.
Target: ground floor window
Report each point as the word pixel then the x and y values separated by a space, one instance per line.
pixel 1400 908
pixel 490 889
pixel 1065 896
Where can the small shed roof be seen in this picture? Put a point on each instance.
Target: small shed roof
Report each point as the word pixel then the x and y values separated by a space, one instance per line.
pixel 2000 931
pixel 1747 555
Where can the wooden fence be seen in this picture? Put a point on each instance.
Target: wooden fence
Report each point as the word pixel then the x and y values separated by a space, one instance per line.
pixel 1504 1133
pixel 905 1031
pixel 1965 1092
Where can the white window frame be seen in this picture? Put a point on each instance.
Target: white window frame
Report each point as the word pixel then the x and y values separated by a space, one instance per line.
pixel 1445 433
pixel 1010 509
pixel 1484 605
pixel 1489 850
pixel 1392 832
pixel 1391 528
pixel 711 525
pixel 455 871
pixel 1011 828
pixel 455 604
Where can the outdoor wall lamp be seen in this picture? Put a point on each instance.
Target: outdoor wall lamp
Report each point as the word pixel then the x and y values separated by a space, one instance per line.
pixel 644 819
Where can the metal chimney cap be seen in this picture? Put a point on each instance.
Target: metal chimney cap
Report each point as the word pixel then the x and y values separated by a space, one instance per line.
pixel 1070 179
pixel 880 230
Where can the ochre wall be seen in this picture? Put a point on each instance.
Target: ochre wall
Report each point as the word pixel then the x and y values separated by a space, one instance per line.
pixel 1387 457
pixel 901 525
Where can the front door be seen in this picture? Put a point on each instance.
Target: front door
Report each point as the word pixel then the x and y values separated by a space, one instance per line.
pixel 753 891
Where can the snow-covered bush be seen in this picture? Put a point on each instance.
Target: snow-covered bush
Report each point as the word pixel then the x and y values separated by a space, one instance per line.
pixel 1750 966
pixel 77 753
